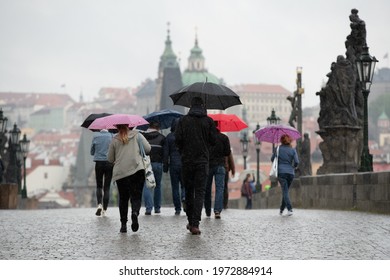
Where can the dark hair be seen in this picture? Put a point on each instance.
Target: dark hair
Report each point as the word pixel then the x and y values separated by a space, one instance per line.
pixel 196 101
pixel 154 124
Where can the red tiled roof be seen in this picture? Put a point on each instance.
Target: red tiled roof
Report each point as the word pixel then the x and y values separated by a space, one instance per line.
pixel 31 99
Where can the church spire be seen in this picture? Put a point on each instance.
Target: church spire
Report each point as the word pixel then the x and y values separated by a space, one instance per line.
pixel 168 58
pixel 196 61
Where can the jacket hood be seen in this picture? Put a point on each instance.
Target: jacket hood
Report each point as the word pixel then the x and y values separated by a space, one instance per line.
pixel 174 124
pixel 197 111
pixel 151 134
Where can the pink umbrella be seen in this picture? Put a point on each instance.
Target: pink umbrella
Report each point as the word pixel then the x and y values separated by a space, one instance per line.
pixel 111 121
pixel 272 133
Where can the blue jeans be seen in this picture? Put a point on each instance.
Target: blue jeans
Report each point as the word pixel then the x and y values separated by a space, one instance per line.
pixel 154 200
pixel 176 184
pixel 285 181
pixel 219 173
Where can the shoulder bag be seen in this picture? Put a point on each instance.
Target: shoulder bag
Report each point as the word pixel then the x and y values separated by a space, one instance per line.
pixel 273 175
pixel 150 181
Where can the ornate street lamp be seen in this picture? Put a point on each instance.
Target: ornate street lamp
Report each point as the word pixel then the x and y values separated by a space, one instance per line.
pixel 3 130
pixel 24 147
pixel 273 119
pixel 244 143
pixel 365 65
pixel 12 164
pixel 257 146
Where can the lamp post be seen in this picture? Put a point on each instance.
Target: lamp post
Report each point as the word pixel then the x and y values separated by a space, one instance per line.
pixel 3 130
pixel 24 147
pixel 365 65
pixel 300 91
pixel 273 119
pixel 244 143
pixel 11 174
pixel 257 146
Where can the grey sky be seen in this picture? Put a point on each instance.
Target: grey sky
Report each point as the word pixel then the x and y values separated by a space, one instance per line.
pixel 89 44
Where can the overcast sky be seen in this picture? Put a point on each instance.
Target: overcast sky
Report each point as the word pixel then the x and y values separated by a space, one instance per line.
pixel 89 44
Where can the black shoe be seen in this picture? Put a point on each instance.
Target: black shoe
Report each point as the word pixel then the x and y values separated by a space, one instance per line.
pixel 134 220
pixel 123 228
pixel 147 213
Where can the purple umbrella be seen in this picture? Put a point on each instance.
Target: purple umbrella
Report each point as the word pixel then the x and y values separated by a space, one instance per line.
pixel 272 133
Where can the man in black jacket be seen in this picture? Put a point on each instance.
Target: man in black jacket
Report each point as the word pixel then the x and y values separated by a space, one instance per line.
pixel 218 153
pixel 156 141
pixel 195 133
pixel 172 162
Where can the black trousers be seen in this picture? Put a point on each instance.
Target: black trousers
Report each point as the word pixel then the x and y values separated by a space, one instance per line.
pixel 194 179
pixel 103 173
pixel 130 187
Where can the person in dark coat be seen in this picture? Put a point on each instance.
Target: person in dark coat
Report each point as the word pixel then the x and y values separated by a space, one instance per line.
pixel 195 133
pixel 172 162
pixel 156 141
pixel 218 152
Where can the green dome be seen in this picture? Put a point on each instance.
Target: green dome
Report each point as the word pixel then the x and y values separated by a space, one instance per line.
pixel 190 77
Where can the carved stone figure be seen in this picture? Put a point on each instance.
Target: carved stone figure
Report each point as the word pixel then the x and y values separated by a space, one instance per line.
pixel 341 107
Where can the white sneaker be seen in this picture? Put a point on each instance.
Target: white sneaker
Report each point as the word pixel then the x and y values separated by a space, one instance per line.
pixel 99 210
pixel 103 213
pixel 281 212
pixel 290 212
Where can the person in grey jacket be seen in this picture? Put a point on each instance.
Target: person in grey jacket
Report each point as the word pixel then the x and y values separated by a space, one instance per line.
pixel 287 162
pixel 128 172
pixel 103 169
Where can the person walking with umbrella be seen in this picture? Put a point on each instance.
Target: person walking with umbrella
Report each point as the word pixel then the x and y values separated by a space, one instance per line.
pixel 103 169
pixel 128 172
pixel 287 162
pixel 195 133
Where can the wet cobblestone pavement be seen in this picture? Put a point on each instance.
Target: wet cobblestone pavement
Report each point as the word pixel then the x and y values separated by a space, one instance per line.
pixel 77 234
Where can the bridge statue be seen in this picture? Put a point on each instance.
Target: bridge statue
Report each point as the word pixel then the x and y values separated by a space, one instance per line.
pixel 341 107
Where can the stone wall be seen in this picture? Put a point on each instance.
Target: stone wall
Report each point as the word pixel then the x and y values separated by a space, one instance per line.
pixel 8 196
pixel 353 191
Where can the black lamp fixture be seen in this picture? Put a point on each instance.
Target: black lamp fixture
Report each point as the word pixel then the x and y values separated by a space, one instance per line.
pixel 257 146
pixel 24 147
pixel 365 65
pixel 15 135
pixel 273 119
pixel 244 143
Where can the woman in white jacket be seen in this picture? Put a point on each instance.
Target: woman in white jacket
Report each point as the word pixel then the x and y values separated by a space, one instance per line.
pixel 128 172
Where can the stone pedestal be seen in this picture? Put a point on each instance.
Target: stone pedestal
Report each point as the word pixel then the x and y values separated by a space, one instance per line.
pixel 340 149
pixel 8 196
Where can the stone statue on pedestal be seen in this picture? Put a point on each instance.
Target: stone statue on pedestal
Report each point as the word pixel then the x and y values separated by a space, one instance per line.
pixel 341 107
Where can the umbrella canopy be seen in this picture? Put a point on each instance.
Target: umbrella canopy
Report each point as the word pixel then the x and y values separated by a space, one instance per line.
pixel 228 122
pixel 111 121
pixel 87 122
pixel 164 117
pixel 253 172
pixel 272 133
pixel 213 95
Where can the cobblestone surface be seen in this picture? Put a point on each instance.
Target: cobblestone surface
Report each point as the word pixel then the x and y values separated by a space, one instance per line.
pixel 77 234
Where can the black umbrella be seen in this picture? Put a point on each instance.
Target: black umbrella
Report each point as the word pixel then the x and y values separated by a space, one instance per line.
pixel 163 117
pixel 87 122
pixel 214 96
